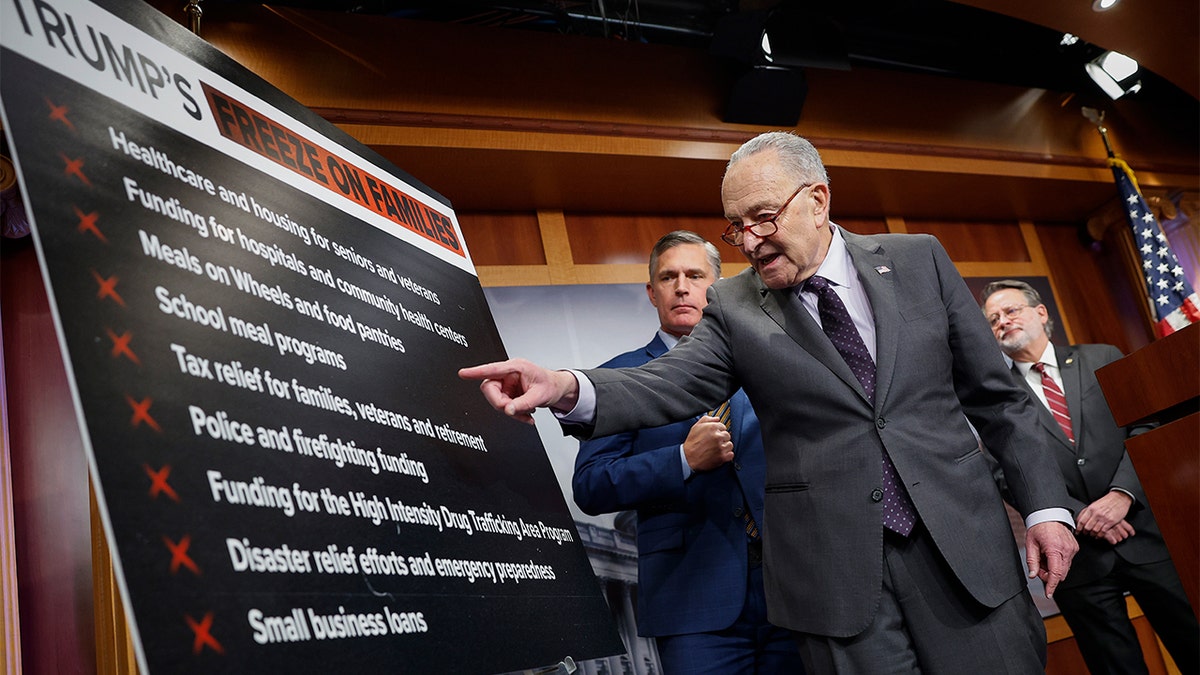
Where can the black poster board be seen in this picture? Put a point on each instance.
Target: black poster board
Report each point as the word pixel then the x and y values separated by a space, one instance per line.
pixel 262 321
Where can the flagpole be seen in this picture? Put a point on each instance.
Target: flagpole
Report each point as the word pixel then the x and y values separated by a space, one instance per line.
pixel 1097 117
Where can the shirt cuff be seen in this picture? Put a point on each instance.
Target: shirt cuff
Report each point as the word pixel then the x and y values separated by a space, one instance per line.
pixel 1125 492
pixel 687 470
pixel 1054 514
pixel 584 411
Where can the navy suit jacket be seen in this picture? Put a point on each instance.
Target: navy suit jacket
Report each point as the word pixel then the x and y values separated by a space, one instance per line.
pixel 691 534
pixel 1096 463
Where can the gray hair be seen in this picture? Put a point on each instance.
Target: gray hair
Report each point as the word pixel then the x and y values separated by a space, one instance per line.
pixel 680 237
pixel 1032 297
pixel 796 154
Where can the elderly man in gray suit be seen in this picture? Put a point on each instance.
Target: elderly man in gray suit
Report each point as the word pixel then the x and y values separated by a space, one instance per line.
pixel 888 549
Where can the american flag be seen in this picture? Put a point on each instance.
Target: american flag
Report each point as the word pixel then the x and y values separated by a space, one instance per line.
pixel 1171 297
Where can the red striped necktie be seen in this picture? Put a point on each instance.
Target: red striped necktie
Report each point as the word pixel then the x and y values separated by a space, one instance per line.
pixel 1056 401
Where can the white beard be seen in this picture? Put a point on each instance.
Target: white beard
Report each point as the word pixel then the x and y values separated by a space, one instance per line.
pixel 1015 342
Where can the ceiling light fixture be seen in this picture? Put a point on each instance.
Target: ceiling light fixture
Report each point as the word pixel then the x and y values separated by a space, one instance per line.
pixel 1115 73
pixel 1103 5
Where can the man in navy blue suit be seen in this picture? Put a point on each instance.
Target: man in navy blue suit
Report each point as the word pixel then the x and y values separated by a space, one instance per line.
pixel 700 587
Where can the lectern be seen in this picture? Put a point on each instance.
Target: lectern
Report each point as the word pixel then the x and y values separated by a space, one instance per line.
pixel 1161 382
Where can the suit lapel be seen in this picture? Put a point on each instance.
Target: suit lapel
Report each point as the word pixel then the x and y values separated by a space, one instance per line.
pixel 1068 369
pixel 870 263
pixel 785 309
pixel 753 471
pixel 656 347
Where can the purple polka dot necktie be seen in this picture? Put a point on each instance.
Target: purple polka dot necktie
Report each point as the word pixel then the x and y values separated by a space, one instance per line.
pixel 899 515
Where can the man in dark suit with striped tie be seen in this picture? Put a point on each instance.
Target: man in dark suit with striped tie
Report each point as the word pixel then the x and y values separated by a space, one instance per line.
pixel 1120 546
pixel 697 487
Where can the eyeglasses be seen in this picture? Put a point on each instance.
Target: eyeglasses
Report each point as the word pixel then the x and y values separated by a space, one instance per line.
pixel 734 234
pixel 1009 313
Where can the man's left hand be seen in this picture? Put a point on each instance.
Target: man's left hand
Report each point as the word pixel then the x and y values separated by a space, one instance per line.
pixel 1101 515
pixel 1119 533
pixel 1049 549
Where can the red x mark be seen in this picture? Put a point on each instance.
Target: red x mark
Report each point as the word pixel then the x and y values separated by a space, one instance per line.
pixel 141 412
pixel 179 554
pixel 121 345
pixel 203 636
pixel 159 481
pixel 87 223
pixel 74 167
pixel 108 288
pixel 59 113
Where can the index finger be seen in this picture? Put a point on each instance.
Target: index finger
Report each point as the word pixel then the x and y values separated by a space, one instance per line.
pixel 1056 571
pixel 486 371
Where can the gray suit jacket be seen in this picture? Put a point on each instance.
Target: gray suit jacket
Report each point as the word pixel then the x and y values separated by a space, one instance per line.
pixel 1096 463
pixel 938 366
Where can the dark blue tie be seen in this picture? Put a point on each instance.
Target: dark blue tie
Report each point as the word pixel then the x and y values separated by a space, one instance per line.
pixel 899 515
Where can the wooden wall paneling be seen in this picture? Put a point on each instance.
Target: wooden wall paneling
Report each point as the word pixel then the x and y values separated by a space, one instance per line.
pixel 507 248
pixel 863 225
pixel 628 273
pixel 977 241
pixel 1016 263
pixel 633 273
pixel 581 248
pixel 115 654
pixel 998 270
pixel 514 275
pixel 1063 657
pixel 623 238
pixel 1093 287
pixel 594 249
pixel 514 249
pixel 52 527
pixel 1037 256
pixel 605 239
pixel 503 238
pixel 557 244
pixel 10 617
pixel 615 247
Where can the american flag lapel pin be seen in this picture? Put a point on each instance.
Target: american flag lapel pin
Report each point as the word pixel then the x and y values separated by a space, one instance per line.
pixel 882 269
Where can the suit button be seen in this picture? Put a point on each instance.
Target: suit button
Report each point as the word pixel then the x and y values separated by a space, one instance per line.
pixel 737 466
pixel 881 423
pixel 738 512
pixel 1081 461
pixel 876 495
